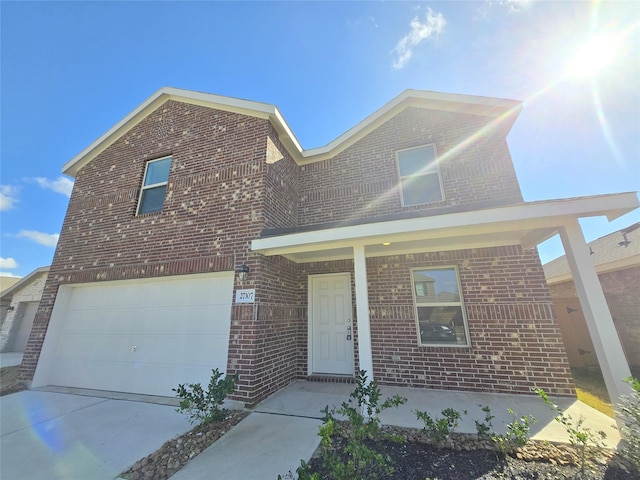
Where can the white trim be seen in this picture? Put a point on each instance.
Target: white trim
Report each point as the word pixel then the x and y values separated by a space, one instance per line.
pixel 536 221
pixel 609 267
pixel 503 109
pixel 596 312
pixel 365 355
pixel 8 293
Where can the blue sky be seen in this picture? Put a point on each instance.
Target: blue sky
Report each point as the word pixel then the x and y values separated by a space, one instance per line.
pixel 71 70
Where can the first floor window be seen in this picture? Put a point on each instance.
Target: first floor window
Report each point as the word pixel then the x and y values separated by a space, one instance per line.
pixel 439 309
pixel 154 185
pixel 419 175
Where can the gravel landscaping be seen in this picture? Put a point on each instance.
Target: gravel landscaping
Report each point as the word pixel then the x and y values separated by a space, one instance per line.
pixel 464 457
pixel 176 453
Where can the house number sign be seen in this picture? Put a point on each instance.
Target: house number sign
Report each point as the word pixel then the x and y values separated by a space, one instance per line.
pixel 246 296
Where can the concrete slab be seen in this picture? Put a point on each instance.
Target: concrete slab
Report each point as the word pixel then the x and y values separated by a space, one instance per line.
pixel 10 359
pixel 262 446
pixel 308 398
pixel 79 437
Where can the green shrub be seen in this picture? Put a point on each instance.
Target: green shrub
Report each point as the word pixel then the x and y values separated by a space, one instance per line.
pixel 354 460
pixel 204 407
pixel 629 411
pixel 518 431
pixel 440 429
pixel 582 438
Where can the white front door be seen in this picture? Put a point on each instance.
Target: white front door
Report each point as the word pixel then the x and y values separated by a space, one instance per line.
pixel 331 342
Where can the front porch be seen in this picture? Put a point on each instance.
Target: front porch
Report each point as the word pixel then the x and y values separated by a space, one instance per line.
pixel 307 399
pixel 523 226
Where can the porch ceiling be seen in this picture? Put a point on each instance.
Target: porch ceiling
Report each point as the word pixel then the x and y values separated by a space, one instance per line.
pixel 526 224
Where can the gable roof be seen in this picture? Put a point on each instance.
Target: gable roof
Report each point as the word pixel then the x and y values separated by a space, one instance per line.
pixel 7 282
pixel 8 293
pixel 608 253
pixel 502 110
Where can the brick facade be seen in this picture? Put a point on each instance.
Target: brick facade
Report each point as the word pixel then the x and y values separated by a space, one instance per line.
pixel 232 178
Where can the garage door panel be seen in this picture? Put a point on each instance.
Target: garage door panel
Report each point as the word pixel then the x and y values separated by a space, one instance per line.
pixel 158 349
pixel 141 337
pixel 203 318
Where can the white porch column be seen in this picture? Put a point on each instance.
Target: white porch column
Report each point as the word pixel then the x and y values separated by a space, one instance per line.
pixel 606 342
pixel 362 311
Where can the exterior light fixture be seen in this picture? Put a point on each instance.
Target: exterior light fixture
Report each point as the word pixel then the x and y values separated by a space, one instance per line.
pixel 386 244
pixel 243 270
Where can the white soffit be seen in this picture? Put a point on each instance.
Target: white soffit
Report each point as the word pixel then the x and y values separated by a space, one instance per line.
pixel 503 109
pixel 526 224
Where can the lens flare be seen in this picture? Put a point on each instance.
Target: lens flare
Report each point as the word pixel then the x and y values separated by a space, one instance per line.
pixel 593 56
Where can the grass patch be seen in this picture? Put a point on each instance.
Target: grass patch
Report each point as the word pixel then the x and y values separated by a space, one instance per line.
pixel 595 402
pixel 591 389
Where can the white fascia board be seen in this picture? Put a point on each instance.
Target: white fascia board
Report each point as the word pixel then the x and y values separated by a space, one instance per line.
pixel 426 99
pixel 527 216
pixel 8 293
pixel 229 104
pixel 440 101
pixel 623 263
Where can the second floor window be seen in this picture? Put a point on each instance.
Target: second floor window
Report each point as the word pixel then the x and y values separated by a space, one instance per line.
pixel 154 186
pixel 419 175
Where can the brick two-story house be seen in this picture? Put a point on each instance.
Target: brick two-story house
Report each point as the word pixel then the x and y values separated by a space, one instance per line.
pixel 200 235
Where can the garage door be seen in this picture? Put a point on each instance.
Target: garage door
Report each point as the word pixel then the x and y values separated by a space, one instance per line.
pixel 143 336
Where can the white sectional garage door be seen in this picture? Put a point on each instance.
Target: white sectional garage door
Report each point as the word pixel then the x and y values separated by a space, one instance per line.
pixel 143 336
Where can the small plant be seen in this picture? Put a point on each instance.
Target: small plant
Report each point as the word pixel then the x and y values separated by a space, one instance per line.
pixel 629 411
pixel 518 431
pixel 583 439
pixel 440 429
pixel 355 460
pixel 204 407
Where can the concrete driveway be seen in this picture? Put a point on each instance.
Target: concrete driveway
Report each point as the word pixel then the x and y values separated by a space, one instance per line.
pixel 47 435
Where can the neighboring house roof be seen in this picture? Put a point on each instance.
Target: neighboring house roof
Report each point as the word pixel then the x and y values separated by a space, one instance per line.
pixel 615 251
pixel 503 111
pixel 8 293
pixel 6 282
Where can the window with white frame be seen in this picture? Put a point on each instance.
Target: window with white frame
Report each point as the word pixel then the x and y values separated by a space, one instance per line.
pixel 419 175
pixel 439 308
pixel 154 186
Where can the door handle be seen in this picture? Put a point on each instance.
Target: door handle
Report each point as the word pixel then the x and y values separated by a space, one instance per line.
pixel 349 332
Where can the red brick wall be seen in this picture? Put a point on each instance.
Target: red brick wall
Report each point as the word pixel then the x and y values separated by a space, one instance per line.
pixel 222 193
pixel 515 341
pixel 361 181
pixel 213 206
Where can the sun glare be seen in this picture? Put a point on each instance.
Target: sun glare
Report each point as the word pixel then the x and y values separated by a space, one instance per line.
pixel 593 56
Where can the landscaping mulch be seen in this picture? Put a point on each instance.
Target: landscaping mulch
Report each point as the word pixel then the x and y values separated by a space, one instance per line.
pixel 466 457
pixel 176 453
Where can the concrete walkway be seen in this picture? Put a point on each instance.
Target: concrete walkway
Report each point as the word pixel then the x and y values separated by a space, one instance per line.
pixel 48 435
pixel 283 429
